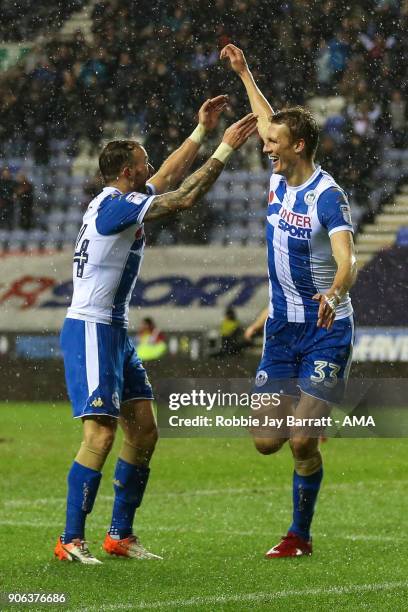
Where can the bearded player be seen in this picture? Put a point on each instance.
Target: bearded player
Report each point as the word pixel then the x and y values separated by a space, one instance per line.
pixel 106 381
pixel 309 328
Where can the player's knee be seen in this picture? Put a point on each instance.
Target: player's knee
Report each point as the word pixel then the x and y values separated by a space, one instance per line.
pixel 149 436
pixel 145 438
pixel 268 446
pixel 303 447
pixel 139 444
pixel 100 440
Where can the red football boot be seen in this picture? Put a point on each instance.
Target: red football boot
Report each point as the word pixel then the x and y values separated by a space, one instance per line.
pixel 291 545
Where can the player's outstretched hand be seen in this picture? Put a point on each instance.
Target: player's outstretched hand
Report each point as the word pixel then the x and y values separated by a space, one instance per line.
pixel 236 57
pixel 239 132
pixel 327 309
pixel 211 110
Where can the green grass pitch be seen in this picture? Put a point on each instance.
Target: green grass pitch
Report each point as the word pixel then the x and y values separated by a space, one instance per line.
pixel 212 508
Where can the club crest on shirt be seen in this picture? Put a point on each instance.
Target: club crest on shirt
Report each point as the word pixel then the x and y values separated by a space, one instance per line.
pixel 310 198
pixel 139 233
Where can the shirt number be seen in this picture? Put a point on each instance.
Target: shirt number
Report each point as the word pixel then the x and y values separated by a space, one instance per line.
pixel 81 256
pixel 319 375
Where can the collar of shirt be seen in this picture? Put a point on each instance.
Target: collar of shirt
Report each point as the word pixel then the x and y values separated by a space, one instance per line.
pixel 306 183
pixel 109 190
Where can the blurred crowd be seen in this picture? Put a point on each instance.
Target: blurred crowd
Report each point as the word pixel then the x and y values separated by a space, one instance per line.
pixel 152 64
pixel 22 19
pixel 16 201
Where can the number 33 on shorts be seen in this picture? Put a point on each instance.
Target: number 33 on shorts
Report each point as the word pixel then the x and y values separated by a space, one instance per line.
pixel 326 373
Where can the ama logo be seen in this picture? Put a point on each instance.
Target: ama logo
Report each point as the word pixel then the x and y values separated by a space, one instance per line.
pixel 297 225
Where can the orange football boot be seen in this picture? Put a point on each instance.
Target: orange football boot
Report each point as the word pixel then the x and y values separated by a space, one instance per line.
pixel 128 547
pixel 77 550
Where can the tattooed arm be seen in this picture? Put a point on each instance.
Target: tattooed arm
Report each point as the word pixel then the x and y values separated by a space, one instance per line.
pixel 189 191
pixel 176 166
pixel 196 185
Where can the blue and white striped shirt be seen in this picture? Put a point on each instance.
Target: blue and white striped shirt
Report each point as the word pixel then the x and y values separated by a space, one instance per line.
pixel 108 255
pixel 300 221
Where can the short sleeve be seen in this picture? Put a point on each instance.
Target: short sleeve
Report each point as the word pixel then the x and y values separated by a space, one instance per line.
pixel 150 189
pixel 118 212
pixel 333 211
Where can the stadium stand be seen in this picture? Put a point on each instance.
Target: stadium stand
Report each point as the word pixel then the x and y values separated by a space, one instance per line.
pixel 76 88
pixel 23 20
pixel 382 284
pixel 386 227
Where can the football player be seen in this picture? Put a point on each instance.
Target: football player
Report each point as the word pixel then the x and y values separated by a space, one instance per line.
pixel 107 383
pixel 309 327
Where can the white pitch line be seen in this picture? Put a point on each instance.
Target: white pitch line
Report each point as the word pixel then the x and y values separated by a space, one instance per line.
pixel 199 493
pixel 248 597
pixel 185 530
pixel 370 485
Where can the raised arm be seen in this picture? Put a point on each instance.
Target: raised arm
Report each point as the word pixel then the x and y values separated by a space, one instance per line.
pixel 259 104
pixel 176 166
pixel 342 244
pixel 196 185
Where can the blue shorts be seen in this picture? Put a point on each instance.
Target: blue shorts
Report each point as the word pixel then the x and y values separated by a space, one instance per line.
pixel 102 368
pixel 303 356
